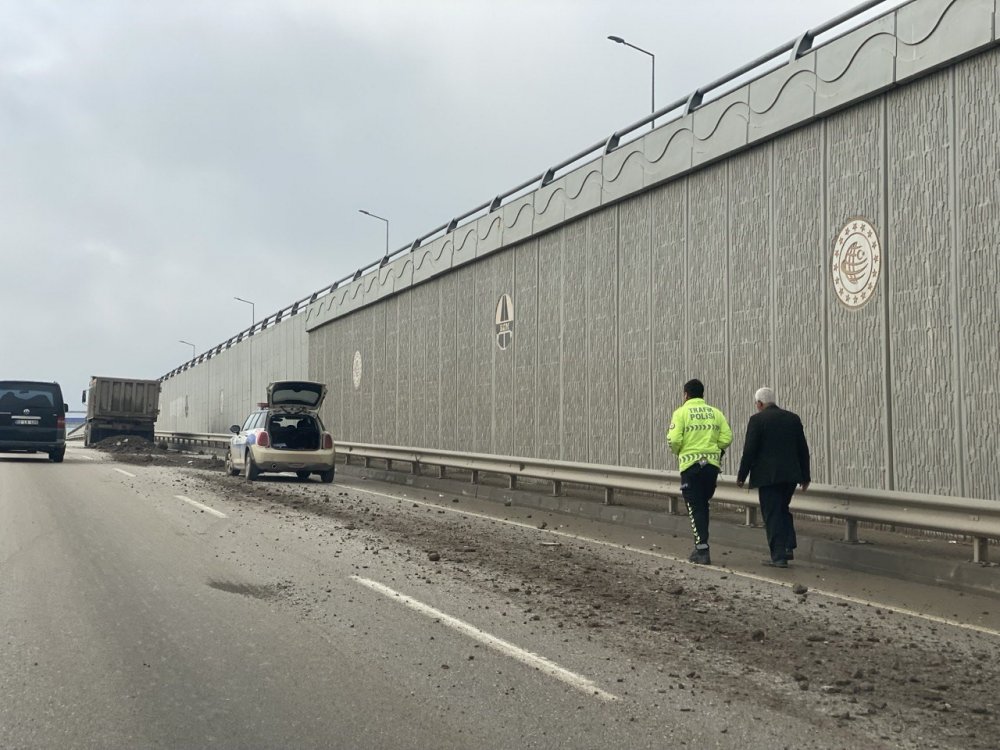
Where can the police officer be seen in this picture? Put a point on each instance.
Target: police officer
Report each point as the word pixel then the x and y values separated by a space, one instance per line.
pixel 775 458
pixel 699 435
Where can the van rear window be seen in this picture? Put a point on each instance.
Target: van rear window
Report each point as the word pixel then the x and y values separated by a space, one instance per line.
pixel 13 397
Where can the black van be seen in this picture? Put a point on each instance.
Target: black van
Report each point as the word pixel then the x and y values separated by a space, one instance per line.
pixel 32 418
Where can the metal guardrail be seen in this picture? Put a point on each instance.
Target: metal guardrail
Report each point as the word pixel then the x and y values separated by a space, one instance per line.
pixel 682 107
pixel 976 518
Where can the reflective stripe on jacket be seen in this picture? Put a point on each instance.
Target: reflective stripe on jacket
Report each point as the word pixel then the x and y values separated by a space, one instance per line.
pixel 698 431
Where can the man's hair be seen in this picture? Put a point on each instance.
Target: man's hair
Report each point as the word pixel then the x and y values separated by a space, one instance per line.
pixel 694 388
pixel 765 395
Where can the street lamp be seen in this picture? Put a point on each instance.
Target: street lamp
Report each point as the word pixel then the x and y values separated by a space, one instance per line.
pixel 182 341
pixel 619 40
pixel 375 216
pixel 253 319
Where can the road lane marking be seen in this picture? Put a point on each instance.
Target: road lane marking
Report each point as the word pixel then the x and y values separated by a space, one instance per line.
pixel 684 561
pixel 122 471
pixel 80 455
pixel 198 505
pixel 505 647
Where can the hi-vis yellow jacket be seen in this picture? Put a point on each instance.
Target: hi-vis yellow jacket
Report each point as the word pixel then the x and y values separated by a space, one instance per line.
pixel 698 432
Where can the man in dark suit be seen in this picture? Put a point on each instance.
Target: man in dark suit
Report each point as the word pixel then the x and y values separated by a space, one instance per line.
pixel 776 458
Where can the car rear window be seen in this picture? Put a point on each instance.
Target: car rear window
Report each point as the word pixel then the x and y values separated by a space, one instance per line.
pixel 295 396
pixel 24 396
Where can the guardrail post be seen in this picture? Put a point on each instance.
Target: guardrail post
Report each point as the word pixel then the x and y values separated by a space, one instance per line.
pixel 980 550
pixel 475 476
pixel 440 472
pixel 556 488
pixel 851 531
pixel 609 495
pixel 512 482
pixel 751 516
pixel 368 462
pixel 415 468
pixel 673 505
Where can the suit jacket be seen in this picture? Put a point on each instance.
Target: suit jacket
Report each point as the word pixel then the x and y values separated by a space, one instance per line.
pixel 775 451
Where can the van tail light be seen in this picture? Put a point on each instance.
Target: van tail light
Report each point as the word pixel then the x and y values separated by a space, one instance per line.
pixel 263 439
pixel 327 441
pixel 60 423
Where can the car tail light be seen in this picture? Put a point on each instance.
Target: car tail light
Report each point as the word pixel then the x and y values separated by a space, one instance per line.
pixel 327 441
pixel 60 423
pixel 263 439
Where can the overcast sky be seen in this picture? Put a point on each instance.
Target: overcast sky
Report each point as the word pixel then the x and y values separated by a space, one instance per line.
pixel 159 157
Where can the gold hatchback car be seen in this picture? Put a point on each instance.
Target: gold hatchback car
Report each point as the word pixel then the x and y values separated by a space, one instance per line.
pixel 285 434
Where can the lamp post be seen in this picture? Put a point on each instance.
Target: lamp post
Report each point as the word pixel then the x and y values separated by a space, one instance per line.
pixel 375 216
pixel 253 319
pixel 182 341
pixel 652 57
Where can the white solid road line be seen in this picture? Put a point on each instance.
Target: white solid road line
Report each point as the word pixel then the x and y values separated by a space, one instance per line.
pixel 526 657
pixel 122 471
pixel 198 505
pixel 660 555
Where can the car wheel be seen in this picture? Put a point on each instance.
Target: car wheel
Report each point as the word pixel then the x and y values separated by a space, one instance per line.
pixel 57 456
pixel 230 469
pixel 326 476
pixel 302 474
pixel 250 470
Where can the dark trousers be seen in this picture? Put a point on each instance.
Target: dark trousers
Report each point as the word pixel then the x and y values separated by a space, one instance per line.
pixel 697 487
pixel 775 500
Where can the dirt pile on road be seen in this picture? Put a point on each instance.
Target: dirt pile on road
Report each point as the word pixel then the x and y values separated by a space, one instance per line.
pixel 137 450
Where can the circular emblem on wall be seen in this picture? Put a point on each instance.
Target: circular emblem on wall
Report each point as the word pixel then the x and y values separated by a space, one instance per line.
pixel 857 263
pixel 356 370
pixel 505 321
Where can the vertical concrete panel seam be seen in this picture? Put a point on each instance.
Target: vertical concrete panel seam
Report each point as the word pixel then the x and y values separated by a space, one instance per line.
pixel 886 302
pixel 649 337
pixel 772 264
pixel 587 357
pixel 958 405
pixel 687 262
pixel 563 252
pixel 824 304
pixel 617 337
pixel 513 388
pixel 727 286
pixel 440 284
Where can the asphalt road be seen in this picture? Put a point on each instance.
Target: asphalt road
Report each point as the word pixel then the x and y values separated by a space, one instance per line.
pixel 162 606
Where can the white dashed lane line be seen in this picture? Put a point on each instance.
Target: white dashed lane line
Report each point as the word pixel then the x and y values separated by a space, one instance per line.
pixel 199 506
pixel 126 473
pixel 505 647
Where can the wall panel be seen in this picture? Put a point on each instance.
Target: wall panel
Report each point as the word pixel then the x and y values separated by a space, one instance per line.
pixel 976 316
pixel 801 278
pixel 576 322
pixel 855 173
pixel 920 286
pixel 525 381
pixel 634 334
pixel 548 409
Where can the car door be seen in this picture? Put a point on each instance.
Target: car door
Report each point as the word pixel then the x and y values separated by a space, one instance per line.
pixel 237 446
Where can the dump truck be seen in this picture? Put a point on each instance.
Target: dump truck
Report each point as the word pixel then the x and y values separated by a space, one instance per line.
pixel 120 407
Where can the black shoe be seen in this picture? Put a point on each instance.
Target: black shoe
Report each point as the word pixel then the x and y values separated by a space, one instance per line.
pixel 789 554
pixel 775 563
pixel 700 557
